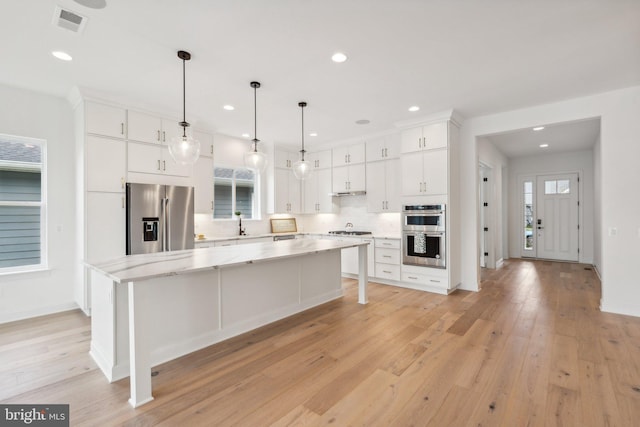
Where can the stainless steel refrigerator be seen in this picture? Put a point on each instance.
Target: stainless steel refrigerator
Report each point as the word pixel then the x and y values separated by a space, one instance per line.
pixel 159 218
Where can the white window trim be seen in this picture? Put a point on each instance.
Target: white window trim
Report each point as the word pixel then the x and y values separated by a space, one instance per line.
pixel 44 248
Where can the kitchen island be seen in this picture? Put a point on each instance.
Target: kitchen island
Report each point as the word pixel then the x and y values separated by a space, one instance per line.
pixel 151 308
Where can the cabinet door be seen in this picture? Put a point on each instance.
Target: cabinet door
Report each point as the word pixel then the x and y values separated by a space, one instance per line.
pixel 411 140
pixel 357 154
pixel 105 218
pixel 170 167
pixel 203 183
pixel 411 174
pixel 357 177
pixel 295 194
pixel 171 129
pixel 340 179
pixel 144 158
pixel 392 146
pixel 310 193
pixel 435 172
pixel 281 190
pixel 106 164
pixel 375 149
pixel 283 159
pixel 206 143
pixel 325 200
pixel 392 182
pixel 435 136
pixel 376 186
pixel 144 127
pixel 339 156
pixel 105 120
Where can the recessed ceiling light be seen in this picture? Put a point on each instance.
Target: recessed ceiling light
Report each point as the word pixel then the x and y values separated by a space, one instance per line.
pixel 339 57
pixel 414 108
pixel 544 145
pixel 313 134
pixel 229 107
pixel 363 122
pixel 64 56
pixel 538 128
pixel 245 135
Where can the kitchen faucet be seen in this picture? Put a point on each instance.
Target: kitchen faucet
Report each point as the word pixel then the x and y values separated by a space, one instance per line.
pixel 348 226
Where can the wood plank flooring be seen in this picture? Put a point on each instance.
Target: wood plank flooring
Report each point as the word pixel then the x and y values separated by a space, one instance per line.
pixel 530 349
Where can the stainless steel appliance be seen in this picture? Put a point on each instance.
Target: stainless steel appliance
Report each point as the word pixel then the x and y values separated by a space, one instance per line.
pixel 159 218
pixel 424 235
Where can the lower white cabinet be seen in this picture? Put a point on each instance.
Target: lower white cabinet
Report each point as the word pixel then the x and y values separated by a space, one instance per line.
pixel 203 185
pixel 106 219
pixel 426 278
pixel 387 259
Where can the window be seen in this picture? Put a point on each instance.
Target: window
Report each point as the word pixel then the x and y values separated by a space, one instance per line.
pixel 235 189
pixel 560 186
pixel 22 204
pixel 528 215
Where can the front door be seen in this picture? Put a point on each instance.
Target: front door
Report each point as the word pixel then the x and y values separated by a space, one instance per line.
pixel 556 217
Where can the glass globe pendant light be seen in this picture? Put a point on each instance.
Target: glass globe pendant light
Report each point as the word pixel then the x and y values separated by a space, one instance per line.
pixel 302 168
pixel 184 149
pixel 255 159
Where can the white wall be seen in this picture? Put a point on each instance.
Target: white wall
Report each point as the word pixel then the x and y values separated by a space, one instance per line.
pixel 597 211
pixel 32 114
pixel 619 177
pixel 494 159
pixel 576 161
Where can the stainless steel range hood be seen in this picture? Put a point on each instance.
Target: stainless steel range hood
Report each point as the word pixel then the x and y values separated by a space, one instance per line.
pixel 348 193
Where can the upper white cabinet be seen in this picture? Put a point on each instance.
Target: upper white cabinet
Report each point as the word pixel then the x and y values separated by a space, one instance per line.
pixel 319 159
pixel 145 127
pixel 383 180
pixel 147 158
pixel 106 163
pixel 206 143
pixel 425 138
pixel 317 190
pixel 383 148
pixel 285 159
pixel 203 185
pixel 352 154
pixel 287 192
pixel 105 120
pixel 349 178
pixel 424 173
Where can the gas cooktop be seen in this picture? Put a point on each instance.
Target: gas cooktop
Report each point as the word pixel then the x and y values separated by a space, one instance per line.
pixel 350 232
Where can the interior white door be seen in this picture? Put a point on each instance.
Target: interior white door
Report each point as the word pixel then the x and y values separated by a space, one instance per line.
pixel 556 223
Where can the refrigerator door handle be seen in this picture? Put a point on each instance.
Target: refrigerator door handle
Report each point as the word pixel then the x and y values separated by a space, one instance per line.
pixel 167 227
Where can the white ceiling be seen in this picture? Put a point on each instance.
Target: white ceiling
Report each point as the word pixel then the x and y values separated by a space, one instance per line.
pixel 560 137
pixel 476 57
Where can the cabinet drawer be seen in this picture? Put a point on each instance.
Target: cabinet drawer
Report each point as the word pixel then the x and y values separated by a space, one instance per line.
pixel 225 243
pixel 387 271
pixel 203 245
pixel 388 243
pixel 389 256
pixel 424 279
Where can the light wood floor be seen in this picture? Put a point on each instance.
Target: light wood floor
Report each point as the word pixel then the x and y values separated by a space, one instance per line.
pixel 530 349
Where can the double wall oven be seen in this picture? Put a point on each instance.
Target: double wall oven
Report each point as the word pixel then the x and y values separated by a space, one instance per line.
pixel 423 235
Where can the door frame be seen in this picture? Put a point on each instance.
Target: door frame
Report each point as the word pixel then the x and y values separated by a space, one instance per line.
pixel 521 178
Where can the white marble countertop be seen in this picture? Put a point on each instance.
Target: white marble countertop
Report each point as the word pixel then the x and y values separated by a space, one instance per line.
pixel 146 266
pixel 298 233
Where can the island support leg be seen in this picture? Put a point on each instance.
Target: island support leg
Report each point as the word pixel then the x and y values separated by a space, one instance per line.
pixel 363 277
pixel 139 351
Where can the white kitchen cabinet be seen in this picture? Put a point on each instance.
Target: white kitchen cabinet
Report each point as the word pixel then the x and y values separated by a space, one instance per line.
pixel 349 257
pixel 287 192
pixel 387 259
pixel 284 159
pixel 424 173
pixel 148 158
pixel 349 178
pixel 425 278
pixel 383 148
pixel 105 226
pixel 317 192
pixel 319 159
pixel 383 181
pixel 105 120
pixel 106 164
pixel 425 138
pixel 206 143
pixel 145 127
pixel 225 243
pixel 203 185
pixel 352 154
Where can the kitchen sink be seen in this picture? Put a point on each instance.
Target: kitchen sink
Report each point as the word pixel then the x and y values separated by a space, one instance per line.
pixel 350 232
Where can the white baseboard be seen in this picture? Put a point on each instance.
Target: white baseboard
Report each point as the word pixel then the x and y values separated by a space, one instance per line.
pixel 37 312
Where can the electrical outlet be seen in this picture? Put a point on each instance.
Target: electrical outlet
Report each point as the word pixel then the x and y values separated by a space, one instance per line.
pixel 613 231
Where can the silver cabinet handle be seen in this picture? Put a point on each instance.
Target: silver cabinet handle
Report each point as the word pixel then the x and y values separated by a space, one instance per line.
pixel 386 271
pixel 158 164
pixel 164 136
pixel 211 148
pixel 122 181
pixel 434 281
pixel 164 165
pixel 382 152
pixel 121 128
pixel 386 154
pixel 158 135
pixel 386 256
pixel 349 156
pixel 412 277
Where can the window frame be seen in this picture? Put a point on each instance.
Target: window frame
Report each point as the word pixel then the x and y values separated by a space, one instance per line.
pixel 257 213
pixel 44 250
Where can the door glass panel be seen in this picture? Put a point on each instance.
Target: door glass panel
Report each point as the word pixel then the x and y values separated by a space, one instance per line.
pixel 528 215
pixel 564 186
pixel 550 187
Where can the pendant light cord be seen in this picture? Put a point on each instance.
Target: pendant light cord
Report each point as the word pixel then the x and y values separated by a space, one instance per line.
pixel 184 100
pixel 255 118
pixel 303 150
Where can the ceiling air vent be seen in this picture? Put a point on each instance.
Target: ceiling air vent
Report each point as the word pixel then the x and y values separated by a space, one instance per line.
pixel 64 18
